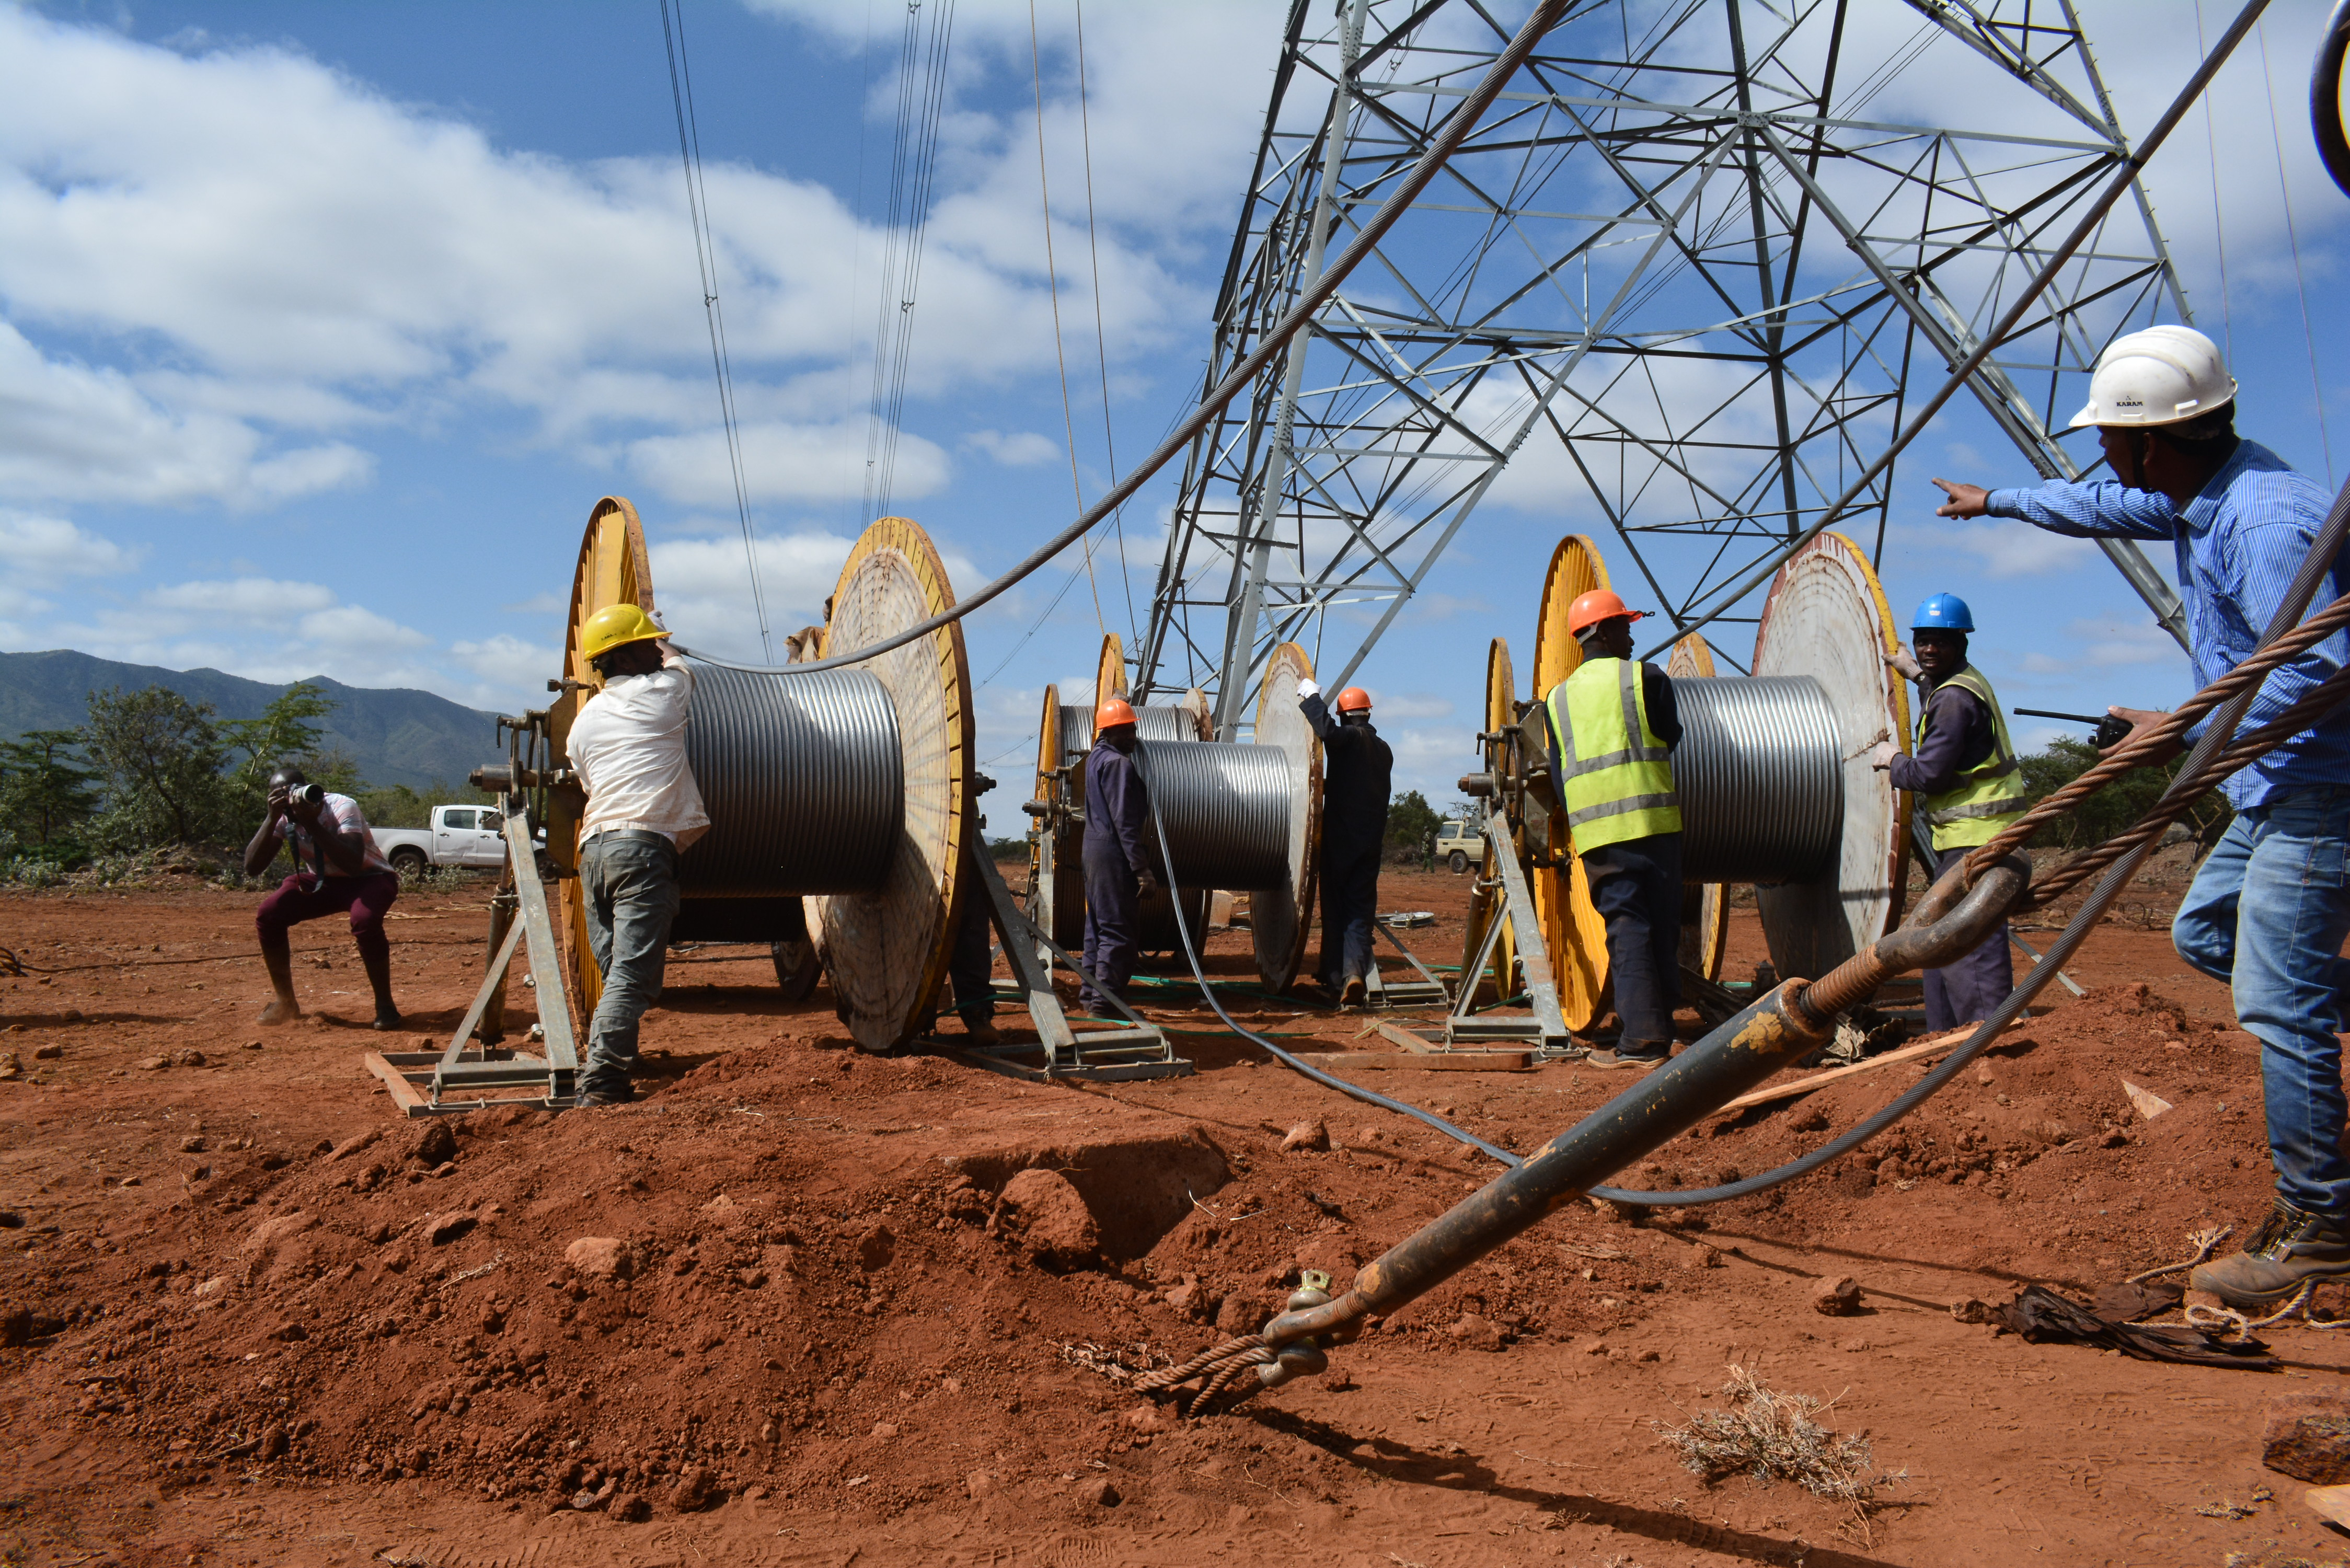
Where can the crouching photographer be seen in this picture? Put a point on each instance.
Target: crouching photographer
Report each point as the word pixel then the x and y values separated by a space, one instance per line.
pixel 337 871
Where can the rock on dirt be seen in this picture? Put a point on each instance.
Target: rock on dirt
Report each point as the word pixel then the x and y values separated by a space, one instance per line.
pixel 436 1145
pixel 600 1258
pixel 2308 1438
pixel 1313 1135
pixel 694 1491
pixel 1049 1219
pixel 1838 1296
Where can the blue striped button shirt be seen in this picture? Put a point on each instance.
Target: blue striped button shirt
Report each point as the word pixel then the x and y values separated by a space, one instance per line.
pixel 2238 544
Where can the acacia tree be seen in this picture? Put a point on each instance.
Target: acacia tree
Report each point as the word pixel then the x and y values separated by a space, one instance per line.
pixel 43 794
pixel 160 756
pixel 285 731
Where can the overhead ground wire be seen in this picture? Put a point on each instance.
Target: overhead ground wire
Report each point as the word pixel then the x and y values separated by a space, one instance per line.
pixel 705 255
pixel 1101 337
pixel 1052 291
pixel 2292 239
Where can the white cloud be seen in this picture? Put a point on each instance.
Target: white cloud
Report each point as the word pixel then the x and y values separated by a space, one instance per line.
pixel 45 551
pixel 1018 448
pixel 1410 705
pixel 256 601
pixel 2005 548
pixel 352 626
pixel 505 664
pixel 2105 643
pixel 782 463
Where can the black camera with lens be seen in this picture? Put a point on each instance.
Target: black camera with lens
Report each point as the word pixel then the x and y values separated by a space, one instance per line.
pixel 304 795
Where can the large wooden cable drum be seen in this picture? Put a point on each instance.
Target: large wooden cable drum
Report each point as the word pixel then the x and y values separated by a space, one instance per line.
pixel 1573 930
pixel 838 799
pixel 1826 622
pixel 1705 906
pixel 1065 733
pixel 1281 915
pixel 1500 713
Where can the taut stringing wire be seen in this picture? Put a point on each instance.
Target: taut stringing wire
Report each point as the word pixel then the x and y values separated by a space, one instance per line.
pixel 2292 237
pixel 1053 289
pixel 705 254
pixel 1101 340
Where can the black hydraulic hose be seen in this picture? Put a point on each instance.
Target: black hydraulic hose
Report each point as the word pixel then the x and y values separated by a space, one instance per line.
pixel 1191 957
pixel 2326 97
pixel 2315 567
pixel 1310 299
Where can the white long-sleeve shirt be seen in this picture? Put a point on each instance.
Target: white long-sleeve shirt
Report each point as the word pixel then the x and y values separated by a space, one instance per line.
pixel 628 747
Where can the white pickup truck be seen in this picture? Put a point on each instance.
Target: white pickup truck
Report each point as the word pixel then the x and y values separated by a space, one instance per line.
pixel 459 836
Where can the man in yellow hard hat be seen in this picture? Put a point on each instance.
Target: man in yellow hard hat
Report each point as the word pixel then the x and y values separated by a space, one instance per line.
pixel 1613 728
pixel 628 747
pixel 2270 908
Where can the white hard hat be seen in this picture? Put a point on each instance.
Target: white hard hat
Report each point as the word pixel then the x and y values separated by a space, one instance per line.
pixel 2162 376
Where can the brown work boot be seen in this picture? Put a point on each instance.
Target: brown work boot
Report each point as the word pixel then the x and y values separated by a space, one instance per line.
pixel 2293 1249
pixel 980 1031
pixel 1640 1053
pixel 1352 996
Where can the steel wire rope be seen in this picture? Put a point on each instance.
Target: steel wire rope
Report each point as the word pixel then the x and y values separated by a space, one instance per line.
pixel 2293 240
pixel 1101 339
pixel 2212 758
pixel 705 255
pixel 1249 367
pixel 1052 291
pixel 2219 220
pixel 913 165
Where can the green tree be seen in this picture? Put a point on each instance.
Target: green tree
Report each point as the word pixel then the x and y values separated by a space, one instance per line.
pixel 285 731
pixel 44 796
pixel 1411 825
pixel 161 757
pixel 401 807
pixel 2114 807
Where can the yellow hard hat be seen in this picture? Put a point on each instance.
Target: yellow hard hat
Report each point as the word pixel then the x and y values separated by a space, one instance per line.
pixel 613 625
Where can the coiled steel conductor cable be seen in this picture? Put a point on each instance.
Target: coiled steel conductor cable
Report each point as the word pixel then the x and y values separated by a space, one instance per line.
pixel 1191 957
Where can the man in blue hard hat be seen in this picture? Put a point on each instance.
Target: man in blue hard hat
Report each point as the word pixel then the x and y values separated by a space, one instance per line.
pixel 2270 908
pixel 1960 771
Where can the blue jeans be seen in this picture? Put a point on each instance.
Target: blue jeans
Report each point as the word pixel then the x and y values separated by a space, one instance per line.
pixel 2268 913
pixel 629 882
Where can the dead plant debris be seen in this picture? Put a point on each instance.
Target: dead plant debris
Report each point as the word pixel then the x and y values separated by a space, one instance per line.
pixel 1770 1435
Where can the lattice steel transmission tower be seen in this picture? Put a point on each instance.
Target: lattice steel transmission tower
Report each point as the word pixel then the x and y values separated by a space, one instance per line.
pixel 1680 277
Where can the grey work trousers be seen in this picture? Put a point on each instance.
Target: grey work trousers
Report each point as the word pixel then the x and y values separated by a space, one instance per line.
pixel 629 883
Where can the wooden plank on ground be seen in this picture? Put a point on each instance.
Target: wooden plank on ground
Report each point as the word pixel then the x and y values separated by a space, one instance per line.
pixel 1415 1062
pixel 403 1093
pixel 1405 1038
pixel 1936 1046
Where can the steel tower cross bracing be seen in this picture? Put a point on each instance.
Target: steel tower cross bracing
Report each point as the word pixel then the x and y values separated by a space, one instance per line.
pixel 1672 288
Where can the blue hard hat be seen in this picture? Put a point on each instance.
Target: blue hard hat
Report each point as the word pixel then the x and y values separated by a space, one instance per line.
pixel 1944 612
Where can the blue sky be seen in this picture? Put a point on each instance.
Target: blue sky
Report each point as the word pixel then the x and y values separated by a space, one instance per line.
pixel 322 328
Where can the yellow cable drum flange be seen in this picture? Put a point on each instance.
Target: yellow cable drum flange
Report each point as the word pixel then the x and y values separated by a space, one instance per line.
pixel 1573 930
pixel 1705 906
pixel 839 801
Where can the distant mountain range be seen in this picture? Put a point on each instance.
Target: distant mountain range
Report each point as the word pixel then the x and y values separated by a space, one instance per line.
pixel 399 737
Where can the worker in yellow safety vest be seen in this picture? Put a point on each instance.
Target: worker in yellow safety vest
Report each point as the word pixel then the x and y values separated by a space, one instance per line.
pixel 1962 774
pixel 1613 728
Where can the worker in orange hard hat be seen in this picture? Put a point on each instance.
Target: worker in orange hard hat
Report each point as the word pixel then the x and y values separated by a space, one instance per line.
pixel 1119 870
pixel 1358 772
pixel 1613 727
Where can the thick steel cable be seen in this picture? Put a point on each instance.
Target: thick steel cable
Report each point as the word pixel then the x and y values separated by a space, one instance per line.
pixel 1152 723
pixel 1356 1091
pixel 804 780
pixel 1760 773
pixel 2124 177
pixel 1310 299
pixel 1223 811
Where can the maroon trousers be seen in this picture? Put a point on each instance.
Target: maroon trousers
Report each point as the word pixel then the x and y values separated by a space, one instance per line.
pixel 304 896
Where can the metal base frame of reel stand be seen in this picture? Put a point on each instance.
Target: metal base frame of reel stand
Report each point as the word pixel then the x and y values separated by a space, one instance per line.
pixel 1383 995
pixel 1545 1026
pixel 1062 1053
pixel 422 1082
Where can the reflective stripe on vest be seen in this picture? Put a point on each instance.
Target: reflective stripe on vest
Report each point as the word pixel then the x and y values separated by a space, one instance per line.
pixel 1619 775
pixel 1984 799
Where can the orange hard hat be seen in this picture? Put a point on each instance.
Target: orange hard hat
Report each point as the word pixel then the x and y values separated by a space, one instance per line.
pixel 1114 710
pixel 1353 700
pixel 1600 603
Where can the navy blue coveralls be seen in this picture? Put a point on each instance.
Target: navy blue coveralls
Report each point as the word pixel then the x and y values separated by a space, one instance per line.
pixel 1359 770
pixel 1118 813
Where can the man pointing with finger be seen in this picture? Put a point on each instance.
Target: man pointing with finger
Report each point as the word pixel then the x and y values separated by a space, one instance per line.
pixel 2270 908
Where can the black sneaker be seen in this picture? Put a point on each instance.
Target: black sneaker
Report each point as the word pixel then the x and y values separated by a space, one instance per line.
pixel 590 1099
pixel 2293 1249
pixel 387 1019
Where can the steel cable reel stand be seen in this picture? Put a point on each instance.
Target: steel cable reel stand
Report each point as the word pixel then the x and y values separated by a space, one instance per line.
pixel 1774 785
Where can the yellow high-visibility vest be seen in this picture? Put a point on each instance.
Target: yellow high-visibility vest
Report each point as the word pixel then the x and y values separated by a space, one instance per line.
pixel 1619 775
pixel 1984 799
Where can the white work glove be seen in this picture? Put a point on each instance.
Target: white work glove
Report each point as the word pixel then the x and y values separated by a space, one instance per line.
pixel 1307 689
pixel 1881 755
pixel 1904 663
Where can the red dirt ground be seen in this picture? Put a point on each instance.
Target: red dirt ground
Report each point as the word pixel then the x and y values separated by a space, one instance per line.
pixel 228 1347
